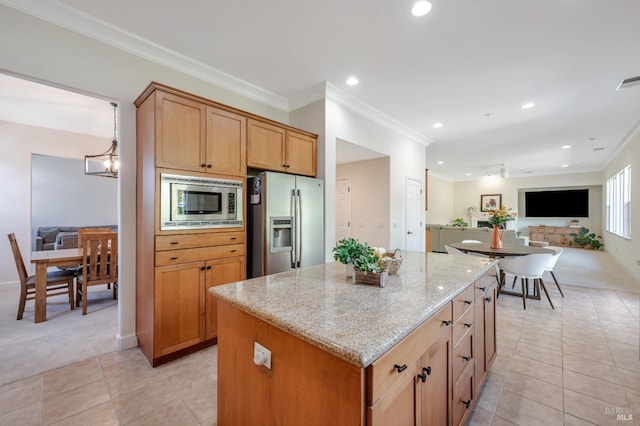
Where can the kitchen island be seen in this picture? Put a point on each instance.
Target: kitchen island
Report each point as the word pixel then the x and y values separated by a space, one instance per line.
pixel 345 353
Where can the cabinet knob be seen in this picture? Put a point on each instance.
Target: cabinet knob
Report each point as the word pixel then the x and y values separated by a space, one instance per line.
pixel 422 377
pixel 483 288
pixel 202 268
pixel 467 302
pixel 447 322
pixel 203 165
pixel 234 238
pixel 467 403
pixel 174 258
pixel 234 250
pixel 208 166
pixel 174 243
pixel 468 324
pixel 427 370
pixel 466 358
pixel 208 267
pixel 400 368
pixel 284 165
pixel 488 299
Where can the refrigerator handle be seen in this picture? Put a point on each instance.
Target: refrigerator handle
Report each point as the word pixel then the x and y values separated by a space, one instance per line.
pixel 299 220
pixel 292 253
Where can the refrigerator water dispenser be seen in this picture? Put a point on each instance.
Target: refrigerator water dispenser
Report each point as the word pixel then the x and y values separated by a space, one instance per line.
pixel 281 238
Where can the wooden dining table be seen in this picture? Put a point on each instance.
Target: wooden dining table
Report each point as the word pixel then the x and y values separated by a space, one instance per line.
pixel 43 260
pixel 505 251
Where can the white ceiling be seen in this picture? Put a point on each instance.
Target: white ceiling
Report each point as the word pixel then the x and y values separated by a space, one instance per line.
pixel 469 64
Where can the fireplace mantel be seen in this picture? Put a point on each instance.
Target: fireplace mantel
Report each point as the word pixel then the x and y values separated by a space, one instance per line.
pixel 478 217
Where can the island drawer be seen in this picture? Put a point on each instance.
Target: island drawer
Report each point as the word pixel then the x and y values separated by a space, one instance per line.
pixel 173 257
pixel 463 326
pixel 184 241
pixel 463 302
pixel 394 365
pixel 463 397
pixel 462 355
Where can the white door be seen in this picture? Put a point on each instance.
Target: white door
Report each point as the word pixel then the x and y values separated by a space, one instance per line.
pixel 343 208
pixel 414 215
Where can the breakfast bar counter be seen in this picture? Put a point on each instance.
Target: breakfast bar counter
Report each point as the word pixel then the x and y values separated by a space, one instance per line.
pixel 327 338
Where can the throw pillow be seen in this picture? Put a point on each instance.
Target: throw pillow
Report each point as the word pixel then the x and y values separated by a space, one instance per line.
pixel 48 234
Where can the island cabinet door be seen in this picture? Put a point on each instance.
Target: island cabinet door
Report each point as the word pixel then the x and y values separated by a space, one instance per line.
pixel 179 307
pixel 398 406
pixel 434 384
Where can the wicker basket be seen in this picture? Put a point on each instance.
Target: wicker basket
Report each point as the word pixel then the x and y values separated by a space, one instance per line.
pixel 394 260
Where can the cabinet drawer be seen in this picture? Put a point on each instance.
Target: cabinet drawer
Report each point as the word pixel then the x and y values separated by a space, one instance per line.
pixel 555 231
pixel 462 302
pixel 462 355
pixel 382 374
pixel 463 325
pixel 463 396
pixel 184 241
pixel 173 257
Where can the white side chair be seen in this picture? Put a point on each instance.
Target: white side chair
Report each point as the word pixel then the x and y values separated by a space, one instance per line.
pixel 472 241
pixel 527 267
pixel 552 263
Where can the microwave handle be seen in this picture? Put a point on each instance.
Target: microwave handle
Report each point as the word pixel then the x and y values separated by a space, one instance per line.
pixel 299 226
pixel 292 210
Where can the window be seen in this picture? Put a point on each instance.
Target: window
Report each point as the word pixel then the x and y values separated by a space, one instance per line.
pixel 619 203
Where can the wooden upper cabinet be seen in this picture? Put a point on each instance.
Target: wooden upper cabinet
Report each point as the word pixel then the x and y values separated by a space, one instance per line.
pixel 180 131
pixel 226 142
pixel 266 146
pixel 300 153
pixel 272 147
pixel 198 137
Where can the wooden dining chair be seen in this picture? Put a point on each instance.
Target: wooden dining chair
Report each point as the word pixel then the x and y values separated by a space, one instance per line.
pixel 99 264
pixel 58 282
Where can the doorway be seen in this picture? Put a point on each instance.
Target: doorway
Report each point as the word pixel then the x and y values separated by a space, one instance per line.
pixel 343 208
pixel 414 215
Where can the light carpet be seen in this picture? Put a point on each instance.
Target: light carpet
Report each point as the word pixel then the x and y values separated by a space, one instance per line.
pixel 27 348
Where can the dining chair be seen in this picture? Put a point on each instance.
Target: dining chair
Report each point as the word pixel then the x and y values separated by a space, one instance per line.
pixel 527 267
pixel 472 241
pixel 455 251
pixel 99 264
pixel 58 282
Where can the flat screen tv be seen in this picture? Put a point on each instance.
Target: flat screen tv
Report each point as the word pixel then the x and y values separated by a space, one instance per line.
pixel 560 203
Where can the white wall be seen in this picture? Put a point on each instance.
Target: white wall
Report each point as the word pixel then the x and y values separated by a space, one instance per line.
pixel 406 159
pixel 440 201
pixel 43 51
pixel 369 200
pixel 63 195
pixel 627 251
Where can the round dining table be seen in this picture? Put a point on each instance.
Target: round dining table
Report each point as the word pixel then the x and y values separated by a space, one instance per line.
pixel 505 251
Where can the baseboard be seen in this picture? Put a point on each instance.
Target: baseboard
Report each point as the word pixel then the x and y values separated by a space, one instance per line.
pixel 126 342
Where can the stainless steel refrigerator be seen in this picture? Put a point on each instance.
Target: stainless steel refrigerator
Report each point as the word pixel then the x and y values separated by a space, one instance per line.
pixel 285 223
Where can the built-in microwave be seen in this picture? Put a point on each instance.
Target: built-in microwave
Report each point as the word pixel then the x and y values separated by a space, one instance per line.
pixel 198 202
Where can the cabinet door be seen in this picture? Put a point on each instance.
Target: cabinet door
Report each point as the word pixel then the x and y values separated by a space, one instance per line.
pixel 221 271
pixel 555 236
pixel 398 406
pixel 490 347
pixel 434 394
pixel 179 307
pixel 300 154
pixel 265 146
pixel 226 142
pixel 537 234
pixel 180 130
pixel 478 351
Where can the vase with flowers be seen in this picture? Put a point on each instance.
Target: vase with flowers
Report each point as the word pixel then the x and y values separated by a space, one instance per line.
pixel 498 218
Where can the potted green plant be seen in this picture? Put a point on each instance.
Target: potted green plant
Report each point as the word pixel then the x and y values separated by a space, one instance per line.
pixel 587 239
pixel 345 251
pixel 370 268
pixel 460 222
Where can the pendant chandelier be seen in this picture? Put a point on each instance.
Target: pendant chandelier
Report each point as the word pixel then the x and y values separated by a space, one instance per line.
pixel 107 163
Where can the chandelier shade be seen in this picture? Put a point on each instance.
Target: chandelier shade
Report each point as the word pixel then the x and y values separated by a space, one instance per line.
pixel 107 163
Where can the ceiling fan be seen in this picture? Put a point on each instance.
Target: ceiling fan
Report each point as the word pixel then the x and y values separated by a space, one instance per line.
pixel 503 172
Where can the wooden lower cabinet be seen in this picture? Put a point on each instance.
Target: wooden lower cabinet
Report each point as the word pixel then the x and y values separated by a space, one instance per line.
pixel 179 307
pixel 218 272
pixel 433 392
pixel 485 332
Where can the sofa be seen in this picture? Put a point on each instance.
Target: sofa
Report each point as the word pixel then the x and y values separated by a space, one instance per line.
pixel 61 237
pixel 442 235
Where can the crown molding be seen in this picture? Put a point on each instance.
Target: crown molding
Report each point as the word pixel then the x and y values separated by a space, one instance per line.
pixel 349 101
pixel 72 19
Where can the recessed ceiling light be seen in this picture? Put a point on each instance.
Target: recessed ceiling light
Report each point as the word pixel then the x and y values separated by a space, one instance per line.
pixel 441 162
pixel 565 165
pixel 421 8
pixel 528 105
pixel 352 81
pixel 566 146
pixel 437 125
pixel 468 174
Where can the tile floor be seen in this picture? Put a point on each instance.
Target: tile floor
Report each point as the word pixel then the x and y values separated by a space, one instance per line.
pixel 575 365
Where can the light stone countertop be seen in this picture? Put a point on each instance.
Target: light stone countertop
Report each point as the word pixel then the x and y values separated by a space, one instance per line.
pixel 355 322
